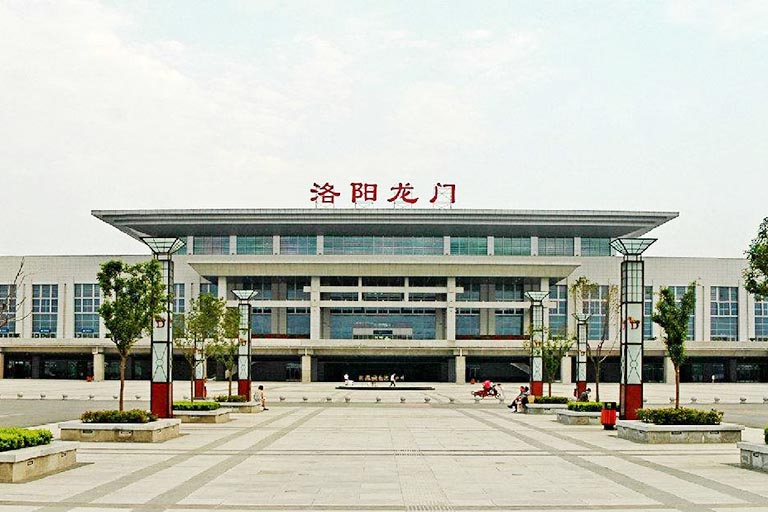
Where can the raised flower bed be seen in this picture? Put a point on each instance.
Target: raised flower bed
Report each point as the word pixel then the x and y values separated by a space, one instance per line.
pixel 27 454
pixel 546 405
pixel 201 412
pixel 679 426
pixel 580 413
pixel 755 456
pixel 134 426
pixel 238 403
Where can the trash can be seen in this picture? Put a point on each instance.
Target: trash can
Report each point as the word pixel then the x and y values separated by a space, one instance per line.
pixel 608 415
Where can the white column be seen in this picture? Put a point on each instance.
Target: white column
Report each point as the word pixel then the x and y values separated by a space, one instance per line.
pixel 98 365
pixel 2 364
pixel 450 313
pixel 744 315
pixel 534 246
pixel 67 308
pixel 275 244
pixel 565 370
pixel 703 321
pixel 306 368
pixel 232 244
pixel 320 244
pixel 577 246
pixel 190 244
pixel 222 286
pixel 314 309
pixel 750 300
pixel 24 294
pixel 669 371
pixel 461 369
pixel 491 245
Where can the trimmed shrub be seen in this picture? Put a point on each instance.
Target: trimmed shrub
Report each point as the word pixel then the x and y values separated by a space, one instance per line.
pixel 585 406
pixel 195 406
pixel 551 400
pixel 765 432
pixel 681 416
pixel 232 398
pixel 113 416
pixel 17 438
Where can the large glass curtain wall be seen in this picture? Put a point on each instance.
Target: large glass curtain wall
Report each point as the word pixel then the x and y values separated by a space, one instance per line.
pixel 387 245
pixel 375 323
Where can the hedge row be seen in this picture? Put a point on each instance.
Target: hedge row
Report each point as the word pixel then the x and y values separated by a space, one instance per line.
pixel 195 406
pixel 681 416
pixel 551 400
pixel 585 406
pixel 231 398
pixel 16 438
pixel 112 416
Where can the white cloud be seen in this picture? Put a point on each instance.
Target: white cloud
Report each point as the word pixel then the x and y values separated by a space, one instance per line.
pixel 728 19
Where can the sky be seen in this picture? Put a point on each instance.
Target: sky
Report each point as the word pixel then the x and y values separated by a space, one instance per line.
pixel 593 105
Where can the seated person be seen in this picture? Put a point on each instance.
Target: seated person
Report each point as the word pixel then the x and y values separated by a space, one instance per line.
pixel 584 395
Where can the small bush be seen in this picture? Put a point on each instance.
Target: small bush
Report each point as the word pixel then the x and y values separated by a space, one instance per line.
pixel 551 400
pixel 17 438
pixel 195 406
pixel 112 416
pixel 585 406
pixel 765 432
pixel 231 398
pixel 681 416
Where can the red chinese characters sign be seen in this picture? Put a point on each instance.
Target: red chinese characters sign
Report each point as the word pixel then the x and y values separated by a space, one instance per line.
pixel 403 193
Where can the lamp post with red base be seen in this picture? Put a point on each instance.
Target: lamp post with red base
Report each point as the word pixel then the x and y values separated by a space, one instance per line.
pixel 161 387
pixel 582 331
pixel 538 332
pixel 244 351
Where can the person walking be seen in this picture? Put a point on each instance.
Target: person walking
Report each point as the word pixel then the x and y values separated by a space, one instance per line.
pixel 392 379
pixel 262 398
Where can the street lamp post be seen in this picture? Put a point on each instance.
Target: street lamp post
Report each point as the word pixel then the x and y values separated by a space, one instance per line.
pixel 537 339
pixel 632 287
pixel 161 388
pixel 244 350
pixel 582 330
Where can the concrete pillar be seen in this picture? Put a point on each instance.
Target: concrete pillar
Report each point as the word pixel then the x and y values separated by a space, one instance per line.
pixel 703 321
pixel 320 248
pixel 669 371
pixel 67 309
pixel 746 315
pixel 577 246
pixel 306 368
pixel 461 369
pixel 275 244
pixel 314 309
pixel 222 286
pixel 2 365
pixel 534 246
pixel 450 314
pixel 491 245
pixel 565 370
pixel 98 365
pixel 446 245
pixel 232 244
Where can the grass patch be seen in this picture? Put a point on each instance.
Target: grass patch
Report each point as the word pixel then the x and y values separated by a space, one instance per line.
pixel 17 438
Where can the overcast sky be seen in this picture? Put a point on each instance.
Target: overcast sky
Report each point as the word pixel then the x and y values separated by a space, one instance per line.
pixel 523 105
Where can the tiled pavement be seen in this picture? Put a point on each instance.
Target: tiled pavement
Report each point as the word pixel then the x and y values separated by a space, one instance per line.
pixel 391 456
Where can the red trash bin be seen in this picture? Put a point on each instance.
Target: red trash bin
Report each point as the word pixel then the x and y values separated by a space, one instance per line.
pixel 608 415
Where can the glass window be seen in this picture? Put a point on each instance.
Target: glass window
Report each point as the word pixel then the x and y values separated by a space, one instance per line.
pixel 295 288
pixel 679 293
pixel 45 309
pixel 724 312
pixel 261 321
pixel 179 301
pixel 596 304
pixel 471 289
pixel 469 246
pixel 558 316
pixel 382 323
pixel 555 246
pixel 508 289
pixel 509 321
pixel 7 310
pixel 298 322
pixel 520 246
pixel 387 245
pixel 211 245
pixel 647 312
pixel 595 246
pixel 210 285
pixel 298 245
pixel 761 318
pixel 254 245
pixel 87 301
pixel 467 322
pixel 183 250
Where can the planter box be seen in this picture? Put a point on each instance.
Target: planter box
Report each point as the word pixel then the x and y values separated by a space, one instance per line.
pixel 567 417
pixel 152 432
pixel 639 432
pixel 536 408
pixel 754 456
pixel 220 415
pixel 242 407
pixel 27 463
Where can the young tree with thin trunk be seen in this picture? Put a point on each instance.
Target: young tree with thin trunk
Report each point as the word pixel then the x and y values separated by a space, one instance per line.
pixel 598 350
pixel 11 307
pixel 203 325
pixel 756 273
pixel 132 295
pixel 672 316
pixel 225 349
pixel 553 350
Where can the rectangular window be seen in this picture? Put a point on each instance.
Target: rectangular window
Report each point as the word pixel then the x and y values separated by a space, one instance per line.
pixel 520 246
pixel 7 310
pixel 596 304
pixel 679 293
pixel 179 300
pixel 386 245
pixel 724 312
pixel 647 312
pixel 298 322
pixel 555 246
pixel 471 289
pixel 558 316
pixel 469 246
pixel 508 289
pixel 293 245
pixel 87 301
pixel 183 250
pixel 210 285
pixel 595 246
pixel 211 245
pixel 261 321
pixel 45 309
pixel 254 245
pixel 509 321
pixel 761 319
pixel 382 323
pixel 295 288
pixel 467 322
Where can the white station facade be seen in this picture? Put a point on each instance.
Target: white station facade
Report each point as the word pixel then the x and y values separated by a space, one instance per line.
pixel 428 294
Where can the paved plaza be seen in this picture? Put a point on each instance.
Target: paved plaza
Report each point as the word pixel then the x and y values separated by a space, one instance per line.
pixel 388 455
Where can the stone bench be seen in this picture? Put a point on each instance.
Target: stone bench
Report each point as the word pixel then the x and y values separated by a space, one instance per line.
pixel 567 417
pixel 152 432
pixel 36 461
pixel 242 407
pixel 220 415
pixel 754 456
pixel 537 408
pixel 639 432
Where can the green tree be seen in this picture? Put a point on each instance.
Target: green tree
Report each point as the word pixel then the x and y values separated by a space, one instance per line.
pixel 203 324
pixel 132 296
pixel 756 273
pixel 598 350
pixel 672 316
pixel 225 349
pixel 553 350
